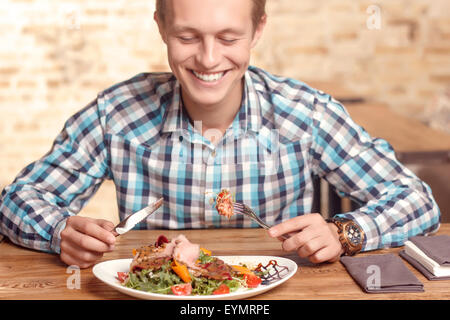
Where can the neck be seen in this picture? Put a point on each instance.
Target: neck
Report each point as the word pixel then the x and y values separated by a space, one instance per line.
pixel 217 117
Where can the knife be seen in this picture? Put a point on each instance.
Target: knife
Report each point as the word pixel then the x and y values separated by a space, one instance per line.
pixel 133 219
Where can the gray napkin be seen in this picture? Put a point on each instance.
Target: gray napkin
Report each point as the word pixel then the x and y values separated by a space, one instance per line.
pixel 416 264
pixel 382 273
pixel 435 247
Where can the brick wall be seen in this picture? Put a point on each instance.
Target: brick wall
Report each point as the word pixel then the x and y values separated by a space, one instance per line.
pixel 56 55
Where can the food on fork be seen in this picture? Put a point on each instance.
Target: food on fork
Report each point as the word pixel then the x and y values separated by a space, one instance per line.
pixel 224 203
pixel 180 267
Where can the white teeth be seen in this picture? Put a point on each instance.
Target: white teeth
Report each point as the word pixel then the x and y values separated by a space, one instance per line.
pixel 209 77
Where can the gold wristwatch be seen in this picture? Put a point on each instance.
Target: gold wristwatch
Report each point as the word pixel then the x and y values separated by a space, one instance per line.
pixel 350 233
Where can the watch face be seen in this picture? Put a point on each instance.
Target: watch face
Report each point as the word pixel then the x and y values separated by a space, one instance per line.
pixel 353 235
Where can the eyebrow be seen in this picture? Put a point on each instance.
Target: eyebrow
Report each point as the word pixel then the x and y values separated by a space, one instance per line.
pixel 180 28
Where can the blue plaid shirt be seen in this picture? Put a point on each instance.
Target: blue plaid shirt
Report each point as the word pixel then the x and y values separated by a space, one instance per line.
pixel 138 134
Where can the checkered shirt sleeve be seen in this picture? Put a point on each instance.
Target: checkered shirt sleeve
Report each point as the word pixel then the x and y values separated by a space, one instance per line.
pixel 395 203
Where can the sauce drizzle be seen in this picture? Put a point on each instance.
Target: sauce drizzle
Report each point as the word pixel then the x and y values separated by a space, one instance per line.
pixel 271 272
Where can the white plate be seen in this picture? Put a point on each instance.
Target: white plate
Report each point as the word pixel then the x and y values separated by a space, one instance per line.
pixel 107 272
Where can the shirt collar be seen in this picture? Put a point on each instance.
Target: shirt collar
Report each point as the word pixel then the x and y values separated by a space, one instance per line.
pixel 252 105
pixel 173 117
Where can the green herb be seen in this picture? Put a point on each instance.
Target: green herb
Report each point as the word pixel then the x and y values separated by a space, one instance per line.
pixel 204 258
pixel 156 282
pixel 204 286
pixel 162 280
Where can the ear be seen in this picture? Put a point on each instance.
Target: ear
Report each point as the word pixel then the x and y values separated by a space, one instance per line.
pixel 161 27
pixel 259 30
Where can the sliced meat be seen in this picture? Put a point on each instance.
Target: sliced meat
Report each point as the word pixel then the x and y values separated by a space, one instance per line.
pixel 154 256
pixel 185 252
pixel 151 264
pixel 151 257
pixel 217 270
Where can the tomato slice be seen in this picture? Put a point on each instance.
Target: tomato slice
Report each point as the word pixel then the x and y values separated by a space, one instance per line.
pixel 252 280
pixel 161 239
pixel 122 276
pixel 222 289
pixel 184 289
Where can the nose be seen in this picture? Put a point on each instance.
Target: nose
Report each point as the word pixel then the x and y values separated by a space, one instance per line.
pixel 209 53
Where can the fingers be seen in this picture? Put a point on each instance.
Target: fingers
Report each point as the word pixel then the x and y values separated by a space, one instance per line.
pixel 310 236
pixel 72 255
pixel 299 239
pixel 319 250
pixel 308 248
pixel 94 228
pixel 291 225
pixel 326 254
pixel 108 225
pixel 85 240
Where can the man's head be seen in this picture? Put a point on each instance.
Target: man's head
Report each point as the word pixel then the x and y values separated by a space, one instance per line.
pixel 258 11
pixel 209 44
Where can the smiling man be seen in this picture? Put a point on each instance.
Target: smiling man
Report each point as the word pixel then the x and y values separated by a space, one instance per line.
pixel 208 46
pixel 152 135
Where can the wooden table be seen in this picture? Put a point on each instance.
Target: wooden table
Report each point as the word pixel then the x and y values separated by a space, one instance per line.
pixel 413 141
pixel 27 274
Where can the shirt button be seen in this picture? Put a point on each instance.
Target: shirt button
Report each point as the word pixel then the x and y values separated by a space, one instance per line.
pixel 209 196
pixel 213 154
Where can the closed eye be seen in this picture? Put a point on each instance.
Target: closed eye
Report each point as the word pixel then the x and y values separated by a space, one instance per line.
pixel 228 40
pixel 187 39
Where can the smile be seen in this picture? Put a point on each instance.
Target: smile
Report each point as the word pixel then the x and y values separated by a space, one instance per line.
pixel 208 77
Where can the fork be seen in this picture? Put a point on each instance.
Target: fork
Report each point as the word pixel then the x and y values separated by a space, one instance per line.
pixel 245 210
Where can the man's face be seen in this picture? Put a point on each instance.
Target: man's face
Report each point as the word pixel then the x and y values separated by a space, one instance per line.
pixel 209 43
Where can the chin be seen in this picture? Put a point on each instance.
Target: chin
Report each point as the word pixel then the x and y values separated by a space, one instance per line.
pixel 206 100
pixel 206 96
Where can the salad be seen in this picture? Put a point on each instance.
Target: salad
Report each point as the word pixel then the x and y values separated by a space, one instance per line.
pixel 180 267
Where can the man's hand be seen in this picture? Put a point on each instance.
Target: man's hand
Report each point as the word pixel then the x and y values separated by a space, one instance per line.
pixel 84 240
pixel 311 236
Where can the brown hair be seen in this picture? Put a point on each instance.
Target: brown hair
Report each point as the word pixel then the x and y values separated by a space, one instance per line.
pixel 259 10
